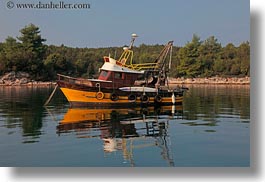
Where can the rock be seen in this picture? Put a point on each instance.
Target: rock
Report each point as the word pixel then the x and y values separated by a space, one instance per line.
pixel 17 82
pixel 22 75
pixel 24 81
pixel 14 78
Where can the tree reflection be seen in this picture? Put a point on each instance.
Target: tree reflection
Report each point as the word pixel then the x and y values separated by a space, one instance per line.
pixel 23 108
pixel 208 102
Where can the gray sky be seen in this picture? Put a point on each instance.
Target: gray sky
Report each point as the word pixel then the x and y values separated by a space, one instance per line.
pixel 110 23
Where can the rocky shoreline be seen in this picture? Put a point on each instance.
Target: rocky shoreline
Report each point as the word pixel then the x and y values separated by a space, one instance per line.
pixel 212 80
pixel 23 79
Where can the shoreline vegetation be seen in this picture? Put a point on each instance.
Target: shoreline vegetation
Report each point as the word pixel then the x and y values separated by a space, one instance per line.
pixel 27 60
pixel 23 79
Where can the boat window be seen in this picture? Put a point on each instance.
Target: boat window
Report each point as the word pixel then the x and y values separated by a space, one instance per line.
pixel 118 75
pixel 104 73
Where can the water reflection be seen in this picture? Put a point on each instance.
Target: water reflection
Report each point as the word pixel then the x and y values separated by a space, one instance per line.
pixel 211 102
pixel 22 107
pixel 119 129
pixel 211 127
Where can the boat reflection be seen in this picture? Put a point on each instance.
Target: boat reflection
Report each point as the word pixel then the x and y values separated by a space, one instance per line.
pixel 124 129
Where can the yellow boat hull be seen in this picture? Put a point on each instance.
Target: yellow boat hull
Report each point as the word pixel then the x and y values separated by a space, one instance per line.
pixel 76 115
pixel 91 98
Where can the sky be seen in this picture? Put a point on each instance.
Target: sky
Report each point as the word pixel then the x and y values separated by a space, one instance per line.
pixel 110 23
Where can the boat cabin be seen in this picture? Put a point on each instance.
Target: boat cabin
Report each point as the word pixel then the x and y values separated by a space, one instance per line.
pixel 117 79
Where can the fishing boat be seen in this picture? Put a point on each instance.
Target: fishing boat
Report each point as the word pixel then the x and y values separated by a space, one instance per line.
pixel 118 84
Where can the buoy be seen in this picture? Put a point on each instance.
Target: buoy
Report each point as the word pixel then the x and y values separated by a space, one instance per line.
pixel 132 98
pixel 144 111
pixel 158 98
pixel 114 97
pixel 173 109
pixel 173 98
pixel 99 95
pixel 144 99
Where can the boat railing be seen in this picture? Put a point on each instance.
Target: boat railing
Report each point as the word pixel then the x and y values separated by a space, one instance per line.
pixel 126 55
pixel 143 66
pixel 72 80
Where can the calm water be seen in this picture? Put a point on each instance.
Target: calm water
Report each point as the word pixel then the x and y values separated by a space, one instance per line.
pixel 211 128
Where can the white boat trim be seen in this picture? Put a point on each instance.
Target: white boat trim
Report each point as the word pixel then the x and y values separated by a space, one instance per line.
pixel 97 80
pixel 138 89
pixel 110 66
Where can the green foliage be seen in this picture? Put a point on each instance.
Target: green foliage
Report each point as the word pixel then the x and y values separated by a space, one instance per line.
pixel 196 59
pixel 26 55
pixel 12 56
pixel 208 55
pixel 209 58
pixel 56 63
pixel 244 55
pixel 188 56
pixel 34 49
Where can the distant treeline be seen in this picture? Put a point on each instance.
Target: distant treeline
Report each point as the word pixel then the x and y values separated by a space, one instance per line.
pixel 197 58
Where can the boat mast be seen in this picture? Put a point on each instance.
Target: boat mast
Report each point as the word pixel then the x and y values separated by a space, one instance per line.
pixel 132 41
pixel 161 69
